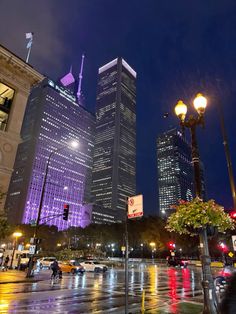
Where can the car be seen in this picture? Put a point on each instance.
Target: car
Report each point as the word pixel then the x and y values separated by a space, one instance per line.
pixel 94 266
pixel 67 267
pixel 176 261
pixel 46 262
pixel 23 261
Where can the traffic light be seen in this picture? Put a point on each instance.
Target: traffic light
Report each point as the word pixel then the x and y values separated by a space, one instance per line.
pixel 233 215
pixel 171 245
pixel 223 247
pixel 66 212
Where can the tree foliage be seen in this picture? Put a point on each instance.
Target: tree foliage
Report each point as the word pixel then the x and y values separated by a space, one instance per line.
pixel 196 214
pixel 5 228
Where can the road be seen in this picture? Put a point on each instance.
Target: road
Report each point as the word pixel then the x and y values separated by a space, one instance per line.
pixel 104 292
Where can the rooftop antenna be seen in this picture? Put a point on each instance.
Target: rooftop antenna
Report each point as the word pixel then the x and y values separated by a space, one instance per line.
pixel 29 37
pixel 80 78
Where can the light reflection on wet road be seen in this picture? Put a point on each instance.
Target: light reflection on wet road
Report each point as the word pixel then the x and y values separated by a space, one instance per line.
pixel 104 292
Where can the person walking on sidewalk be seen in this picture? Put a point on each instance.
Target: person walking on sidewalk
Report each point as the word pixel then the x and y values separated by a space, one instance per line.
pixel 1 260
pixel 6 261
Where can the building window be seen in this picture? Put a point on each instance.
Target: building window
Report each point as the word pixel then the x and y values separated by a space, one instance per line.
pixel 6 98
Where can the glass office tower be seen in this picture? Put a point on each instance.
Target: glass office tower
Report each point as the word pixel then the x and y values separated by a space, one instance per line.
pixel 175 170
pixel 114 171
pixel 53 118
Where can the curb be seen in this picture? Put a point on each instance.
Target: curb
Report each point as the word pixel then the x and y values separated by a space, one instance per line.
pixel 22 281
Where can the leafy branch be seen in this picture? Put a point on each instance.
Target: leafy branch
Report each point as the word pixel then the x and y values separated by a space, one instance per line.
pixel 196 214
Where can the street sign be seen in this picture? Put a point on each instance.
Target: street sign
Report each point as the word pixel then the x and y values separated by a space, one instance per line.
pixel 234 242
pixel 32 249
pixel 123 248
pixel 135 206
pixel 231 254
pixel 33 222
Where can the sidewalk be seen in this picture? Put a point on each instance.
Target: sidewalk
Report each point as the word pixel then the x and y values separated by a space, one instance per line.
pixel 179 308
pixel 17 276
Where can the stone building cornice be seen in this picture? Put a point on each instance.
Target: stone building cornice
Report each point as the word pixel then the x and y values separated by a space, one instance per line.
pixel 19 67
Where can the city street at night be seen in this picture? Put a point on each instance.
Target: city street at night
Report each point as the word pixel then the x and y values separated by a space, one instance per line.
pixel 165 290
pixel 117 157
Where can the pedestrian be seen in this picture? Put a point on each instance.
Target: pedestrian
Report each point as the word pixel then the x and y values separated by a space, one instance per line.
pixel 18 262
pixel 55 268
pixel 1 260
pixel 228 304
pixel 6 261
pixel 38 264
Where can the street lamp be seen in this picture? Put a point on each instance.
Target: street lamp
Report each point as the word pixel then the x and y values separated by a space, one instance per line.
pixel 112 249
pixel 153 248
pixel 142 249
pixel 200 103
pixel 72 144
pixel 15 235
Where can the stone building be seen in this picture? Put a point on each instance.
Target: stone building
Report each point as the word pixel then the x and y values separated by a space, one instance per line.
pixel 16 80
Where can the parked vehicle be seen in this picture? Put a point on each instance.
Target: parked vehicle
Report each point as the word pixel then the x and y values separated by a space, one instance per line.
pixel 94 266
pixel 46 262
pixel 67 267
pixel 24 260
pixel 176 261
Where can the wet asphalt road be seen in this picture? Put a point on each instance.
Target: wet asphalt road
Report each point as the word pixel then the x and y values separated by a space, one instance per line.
pixel 104 292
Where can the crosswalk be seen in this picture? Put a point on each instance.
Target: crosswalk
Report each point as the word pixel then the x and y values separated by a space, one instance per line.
pixel 100 293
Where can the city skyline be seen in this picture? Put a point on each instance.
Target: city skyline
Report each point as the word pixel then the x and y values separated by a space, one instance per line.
pixel 177 51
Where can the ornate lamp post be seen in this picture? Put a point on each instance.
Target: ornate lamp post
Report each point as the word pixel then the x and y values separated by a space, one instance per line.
pixel 200 103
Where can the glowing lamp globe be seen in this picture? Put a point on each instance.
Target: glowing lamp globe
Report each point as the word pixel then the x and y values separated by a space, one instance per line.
pixel 17 234
pixel 200 103
pixel 181 110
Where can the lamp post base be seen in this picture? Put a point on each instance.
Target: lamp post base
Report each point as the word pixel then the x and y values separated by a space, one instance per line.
pixel 210 299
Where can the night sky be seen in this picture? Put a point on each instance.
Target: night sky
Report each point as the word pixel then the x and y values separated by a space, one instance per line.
pixel 178 49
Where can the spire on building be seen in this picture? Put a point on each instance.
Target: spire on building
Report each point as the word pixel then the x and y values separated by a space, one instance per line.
pixel 80 80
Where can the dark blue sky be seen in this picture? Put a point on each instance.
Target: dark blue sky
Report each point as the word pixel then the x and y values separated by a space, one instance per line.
pixel 178 48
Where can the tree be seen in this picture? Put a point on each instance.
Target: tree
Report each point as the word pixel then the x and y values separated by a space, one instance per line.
pixel 5 228
pixel 192 216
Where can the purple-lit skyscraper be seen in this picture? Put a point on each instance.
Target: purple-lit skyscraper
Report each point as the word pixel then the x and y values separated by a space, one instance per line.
pixel 52 120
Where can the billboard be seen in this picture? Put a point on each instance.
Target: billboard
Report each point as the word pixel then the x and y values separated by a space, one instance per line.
pixel 135 206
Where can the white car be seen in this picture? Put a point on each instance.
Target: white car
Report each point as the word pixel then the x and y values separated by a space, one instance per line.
pixel 93 266
pixel 46 262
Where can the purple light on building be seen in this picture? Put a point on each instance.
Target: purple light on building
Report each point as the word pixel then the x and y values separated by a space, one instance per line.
pixel 52 120
pixel 67 79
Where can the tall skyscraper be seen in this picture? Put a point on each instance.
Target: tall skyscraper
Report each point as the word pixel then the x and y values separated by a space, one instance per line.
pixel 114 171
pixel 16 80
pixel 53 118
pixel 175 170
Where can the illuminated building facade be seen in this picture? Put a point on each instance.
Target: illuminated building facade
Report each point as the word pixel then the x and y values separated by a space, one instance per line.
pixel 53 118
pixel 114 171
pixel 175 170
pixel 16 80
pixel 97 214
